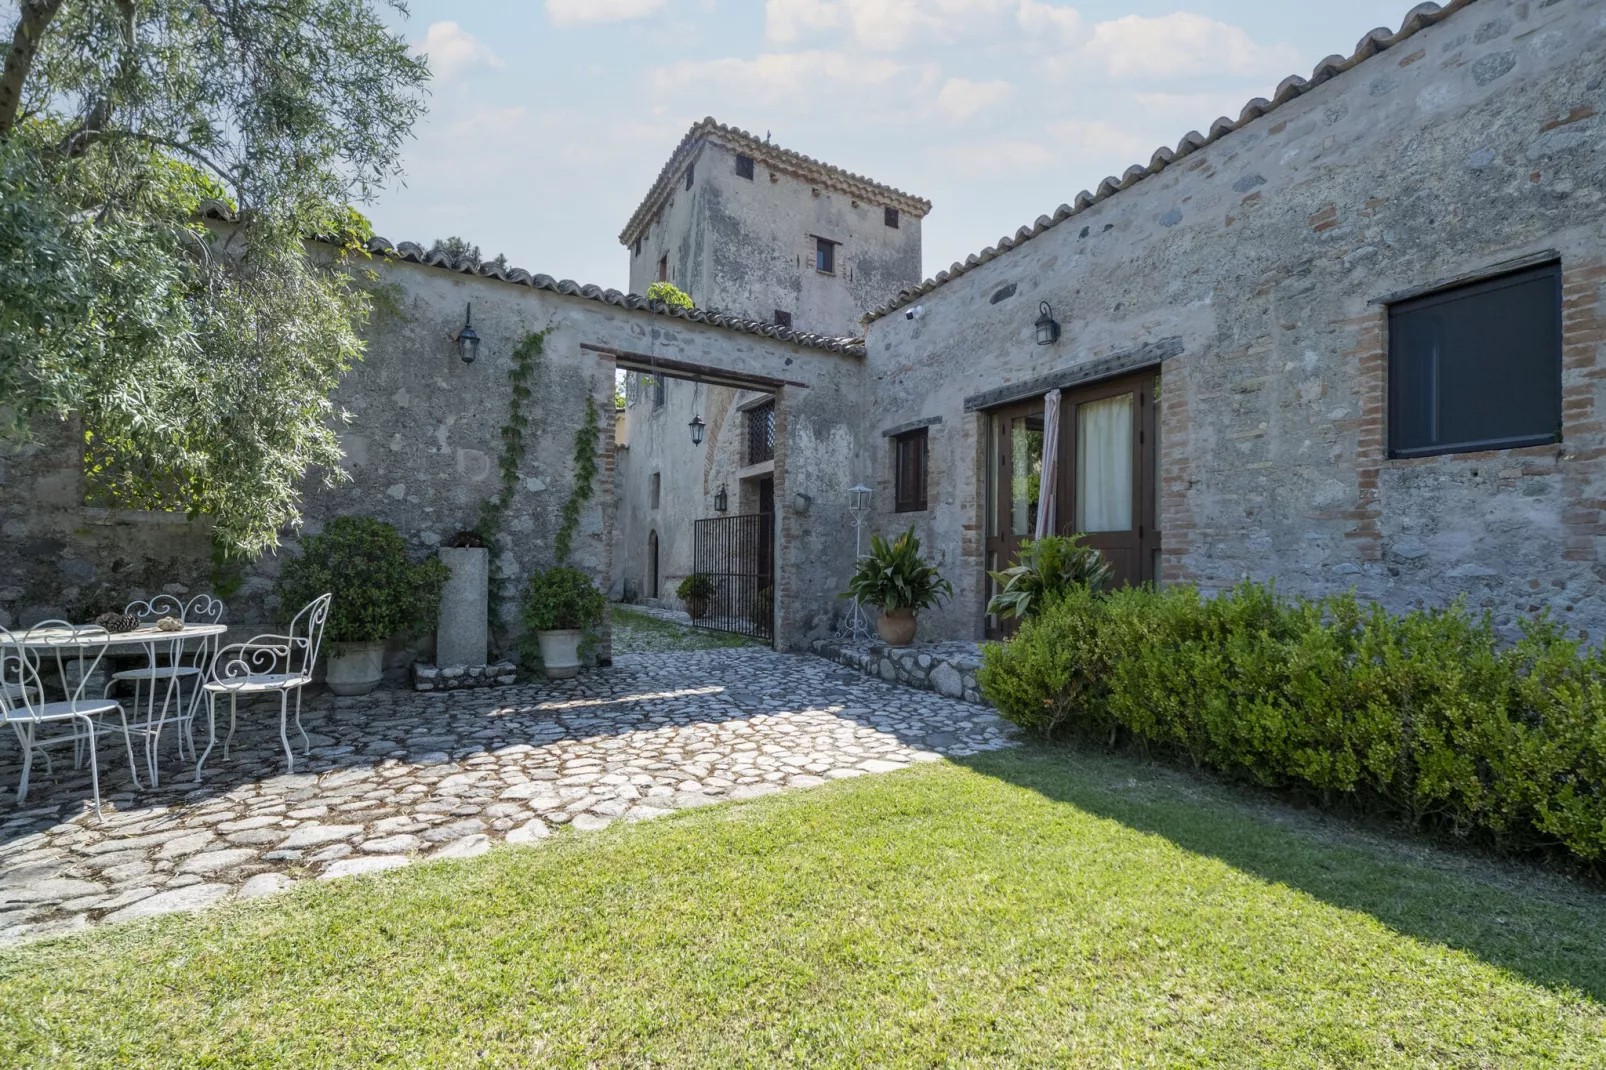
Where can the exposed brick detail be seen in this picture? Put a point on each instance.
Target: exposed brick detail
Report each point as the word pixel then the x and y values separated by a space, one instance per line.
pixel 1176 517
pixel 1583 434
pixel 1369 352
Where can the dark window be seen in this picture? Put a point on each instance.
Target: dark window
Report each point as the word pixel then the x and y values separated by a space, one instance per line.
pixel 663 268
pixel 744 167
pixel 824 255
pixel 1477 367
pixel 891 218
pixel 782 318
pixel 659 388
pixel 909 471
pixel 638 246
pixel 690 171
pixel 654 485
pixel 761 433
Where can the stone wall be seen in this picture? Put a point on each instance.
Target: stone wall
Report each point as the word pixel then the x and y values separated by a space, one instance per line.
pixel 747 246
pixel 1260 261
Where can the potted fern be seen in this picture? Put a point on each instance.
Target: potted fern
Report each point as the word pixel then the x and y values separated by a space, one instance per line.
pixel 695 591
pixel 557 608
pixel 896 579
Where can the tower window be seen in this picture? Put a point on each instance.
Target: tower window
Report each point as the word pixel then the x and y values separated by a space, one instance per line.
pixel 825 255
pixel 654 484
pixel 744 167
pixel 663 268
pixel 891 218
pixel 690 171
pixel 638 246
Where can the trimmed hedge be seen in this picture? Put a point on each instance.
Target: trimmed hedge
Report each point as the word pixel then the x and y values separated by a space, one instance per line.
pixel 1428 714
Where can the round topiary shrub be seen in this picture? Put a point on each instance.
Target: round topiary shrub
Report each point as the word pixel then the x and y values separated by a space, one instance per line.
pixel 561 599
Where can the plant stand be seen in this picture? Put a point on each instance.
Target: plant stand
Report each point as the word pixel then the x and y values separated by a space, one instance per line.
pixel 462 635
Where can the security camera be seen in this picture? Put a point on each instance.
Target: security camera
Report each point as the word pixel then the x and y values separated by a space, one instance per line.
pixel 915 313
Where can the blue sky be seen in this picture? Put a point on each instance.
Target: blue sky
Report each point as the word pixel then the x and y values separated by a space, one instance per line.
pixel 550 118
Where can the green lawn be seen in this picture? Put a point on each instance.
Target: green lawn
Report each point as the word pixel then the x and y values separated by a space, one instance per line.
pixel 1041 908
pixel 635 632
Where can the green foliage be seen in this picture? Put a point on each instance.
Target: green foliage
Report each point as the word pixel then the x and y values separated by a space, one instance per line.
pixel 669 294
pixel 200 362
pixel 585 478
pixel 378 592
pixel 697 585
pixel 1427 714
pixel 520 375
pixel 560 598
pixel 894 576
pixel 1045 569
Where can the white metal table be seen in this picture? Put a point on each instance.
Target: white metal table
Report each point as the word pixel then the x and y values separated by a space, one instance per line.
pixel 153 640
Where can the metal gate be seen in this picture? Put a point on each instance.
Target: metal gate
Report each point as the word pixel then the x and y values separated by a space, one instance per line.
pixel 738 554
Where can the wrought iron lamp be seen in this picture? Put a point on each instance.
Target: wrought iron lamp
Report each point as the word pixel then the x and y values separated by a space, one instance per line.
pixel 722 500
pixel 467 339
pixel 696 426
pixel 1048 328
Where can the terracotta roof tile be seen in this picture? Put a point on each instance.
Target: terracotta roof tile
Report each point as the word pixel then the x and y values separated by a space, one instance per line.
pixel 776 159
pixel 1378 40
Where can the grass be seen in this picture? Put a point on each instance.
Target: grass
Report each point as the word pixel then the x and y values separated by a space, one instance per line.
pixel 1039 908
pixel 635 632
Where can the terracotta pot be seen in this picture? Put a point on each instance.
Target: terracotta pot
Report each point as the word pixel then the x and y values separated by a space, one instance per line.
pixel 560 653
pixel 897 627
pixel 697 608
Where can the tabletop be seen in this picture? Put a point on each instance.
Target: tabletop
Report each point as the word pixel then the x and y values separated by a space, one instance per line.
pixel 92 635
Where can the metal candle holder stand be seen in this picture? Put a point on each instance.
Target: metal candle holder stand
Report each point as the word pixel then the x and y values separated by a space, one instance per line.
pixel 856 628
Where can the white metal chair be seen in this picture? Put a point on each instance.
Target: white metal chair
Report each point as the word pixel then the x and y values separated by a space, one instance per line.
pixel 193 658
pixel 266 664
pixel 23 696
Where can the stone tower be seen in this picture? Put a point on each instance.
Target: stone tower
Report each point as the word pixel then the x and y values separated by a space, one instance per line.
pixel 747 227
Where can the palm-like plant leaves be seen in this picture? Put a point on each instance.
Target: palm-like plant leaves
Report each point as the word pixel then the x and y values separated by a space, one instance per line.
pixel 1043 569
pixel 894 576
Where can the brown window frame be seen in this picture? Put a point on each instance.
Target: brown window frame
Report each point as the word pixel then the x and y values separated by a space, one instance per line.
pixel 825 253
pixel 911 470
pixel 663 268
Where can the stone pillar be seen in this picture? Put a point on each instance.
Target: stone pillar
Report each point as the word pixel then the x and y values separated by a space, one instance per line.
pixel 463 633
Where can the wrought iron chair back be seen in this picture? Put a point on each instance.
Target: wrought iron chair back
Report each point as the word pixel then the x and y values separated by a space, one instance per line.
pixel 26 657
pixel 151 610
pixel 292 654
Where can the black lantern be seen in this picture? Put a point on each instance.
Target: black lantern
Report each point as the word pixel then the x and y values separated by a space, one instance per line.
pixel 468 341
pixel 722 500
pixel 696 426
pixel 1048 328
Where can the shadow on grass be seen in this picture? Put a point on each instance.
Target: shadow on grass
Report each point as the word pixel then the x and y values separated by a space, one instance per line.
pixel 1530 923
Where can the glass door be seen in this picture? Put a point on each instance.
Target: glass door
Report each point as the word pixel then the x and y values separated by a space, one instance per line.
pixel 1015 489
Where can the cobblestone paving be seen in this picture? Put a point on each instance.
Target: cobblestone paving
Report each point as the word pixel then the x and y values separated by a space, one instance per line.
pixel 399 776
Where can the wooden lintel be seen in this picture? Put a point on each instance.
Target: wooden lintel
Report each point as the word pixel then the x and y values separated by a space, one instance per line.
pixel 685 369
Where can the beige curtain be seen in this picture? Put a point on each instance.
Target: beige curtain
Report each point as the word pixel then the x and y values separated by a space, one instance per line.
pixel 1104 465
pixel 1047 498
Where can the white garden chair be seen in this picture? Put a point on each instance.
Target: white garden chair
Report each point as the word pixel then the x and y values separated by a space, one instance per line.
pixel 157 672
pixel 266 665
pixel 23 695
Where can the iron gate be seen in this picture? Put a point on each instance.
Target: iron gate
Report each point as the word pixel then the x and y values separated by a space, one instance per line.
pixel 738 554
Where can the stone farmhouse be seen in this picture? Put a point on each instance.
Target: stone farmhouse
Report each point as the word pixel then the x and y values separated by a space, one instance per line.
pixel 1354 337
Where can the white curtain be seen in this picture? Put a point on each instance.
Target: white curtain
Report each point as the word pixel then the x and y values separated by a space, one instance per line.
pixel 1104 465
pixel 1047 498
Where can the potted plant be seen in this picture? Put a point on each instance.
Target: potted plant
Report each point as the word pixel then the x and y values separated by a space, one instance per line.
pixel 695 591
pixel 379 594
pixel 1043 569
pixel 897 579
pixel 557 608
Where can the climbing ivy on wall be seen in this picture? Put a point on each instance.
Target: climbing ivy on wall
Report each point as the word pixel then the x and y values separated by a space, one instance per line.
pixel 585 477
pixel 519 377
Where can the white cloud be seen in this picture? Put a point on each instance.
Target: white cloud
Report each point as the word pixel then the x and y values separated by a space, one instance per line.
pixel 1062 25
pixel 565 13
pixel 870 89
pixel 885 25
pixel 452 51
pixel 961 100
pixel 1075 148
pixel 1182 44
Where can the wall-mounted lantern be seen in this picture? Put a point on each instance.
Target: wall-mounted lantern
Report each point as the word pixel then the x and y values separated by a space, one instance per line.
pixel 467 339
pixel 722 500
pixel 696 426
pixel 1048 328
pixel 859 500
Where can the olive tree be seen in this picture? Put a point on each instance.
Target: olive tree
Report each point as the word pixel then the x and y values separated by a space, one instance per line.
pixel 198 357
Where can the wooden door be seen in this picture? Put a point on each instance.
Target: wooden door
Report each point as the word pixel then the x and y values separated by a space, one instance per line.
pixel 1014 490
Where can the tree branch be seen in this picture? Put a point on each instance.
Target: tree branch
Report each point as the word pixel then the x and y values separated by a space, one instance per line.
pixel 36 17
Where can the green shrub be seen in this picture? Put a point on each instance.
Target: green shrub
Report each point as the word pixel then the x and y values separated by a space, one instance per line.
pixel 669 294
pixel 894 576
pixel 1045 568
pixel 378 592
pixel 697 585
pixel 560 599
pixel 1429 714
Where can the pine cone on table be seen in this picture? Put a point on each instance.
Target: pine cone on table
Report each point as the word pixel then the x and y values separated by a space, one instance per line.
pixel 117 623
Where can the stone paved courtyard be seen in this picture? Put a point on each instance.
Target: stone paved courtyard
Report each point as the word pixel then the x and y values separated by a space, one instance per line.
pixel 397 776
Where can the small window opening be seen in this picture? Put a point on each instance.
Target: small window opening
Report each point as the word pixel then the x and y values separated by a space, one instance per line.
pixel 690 171
pixel 825 255
pixel 910 454
pixel 663 268
pixel 783 318
pixel 654 485
pixel 891 218
pixel 744 167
